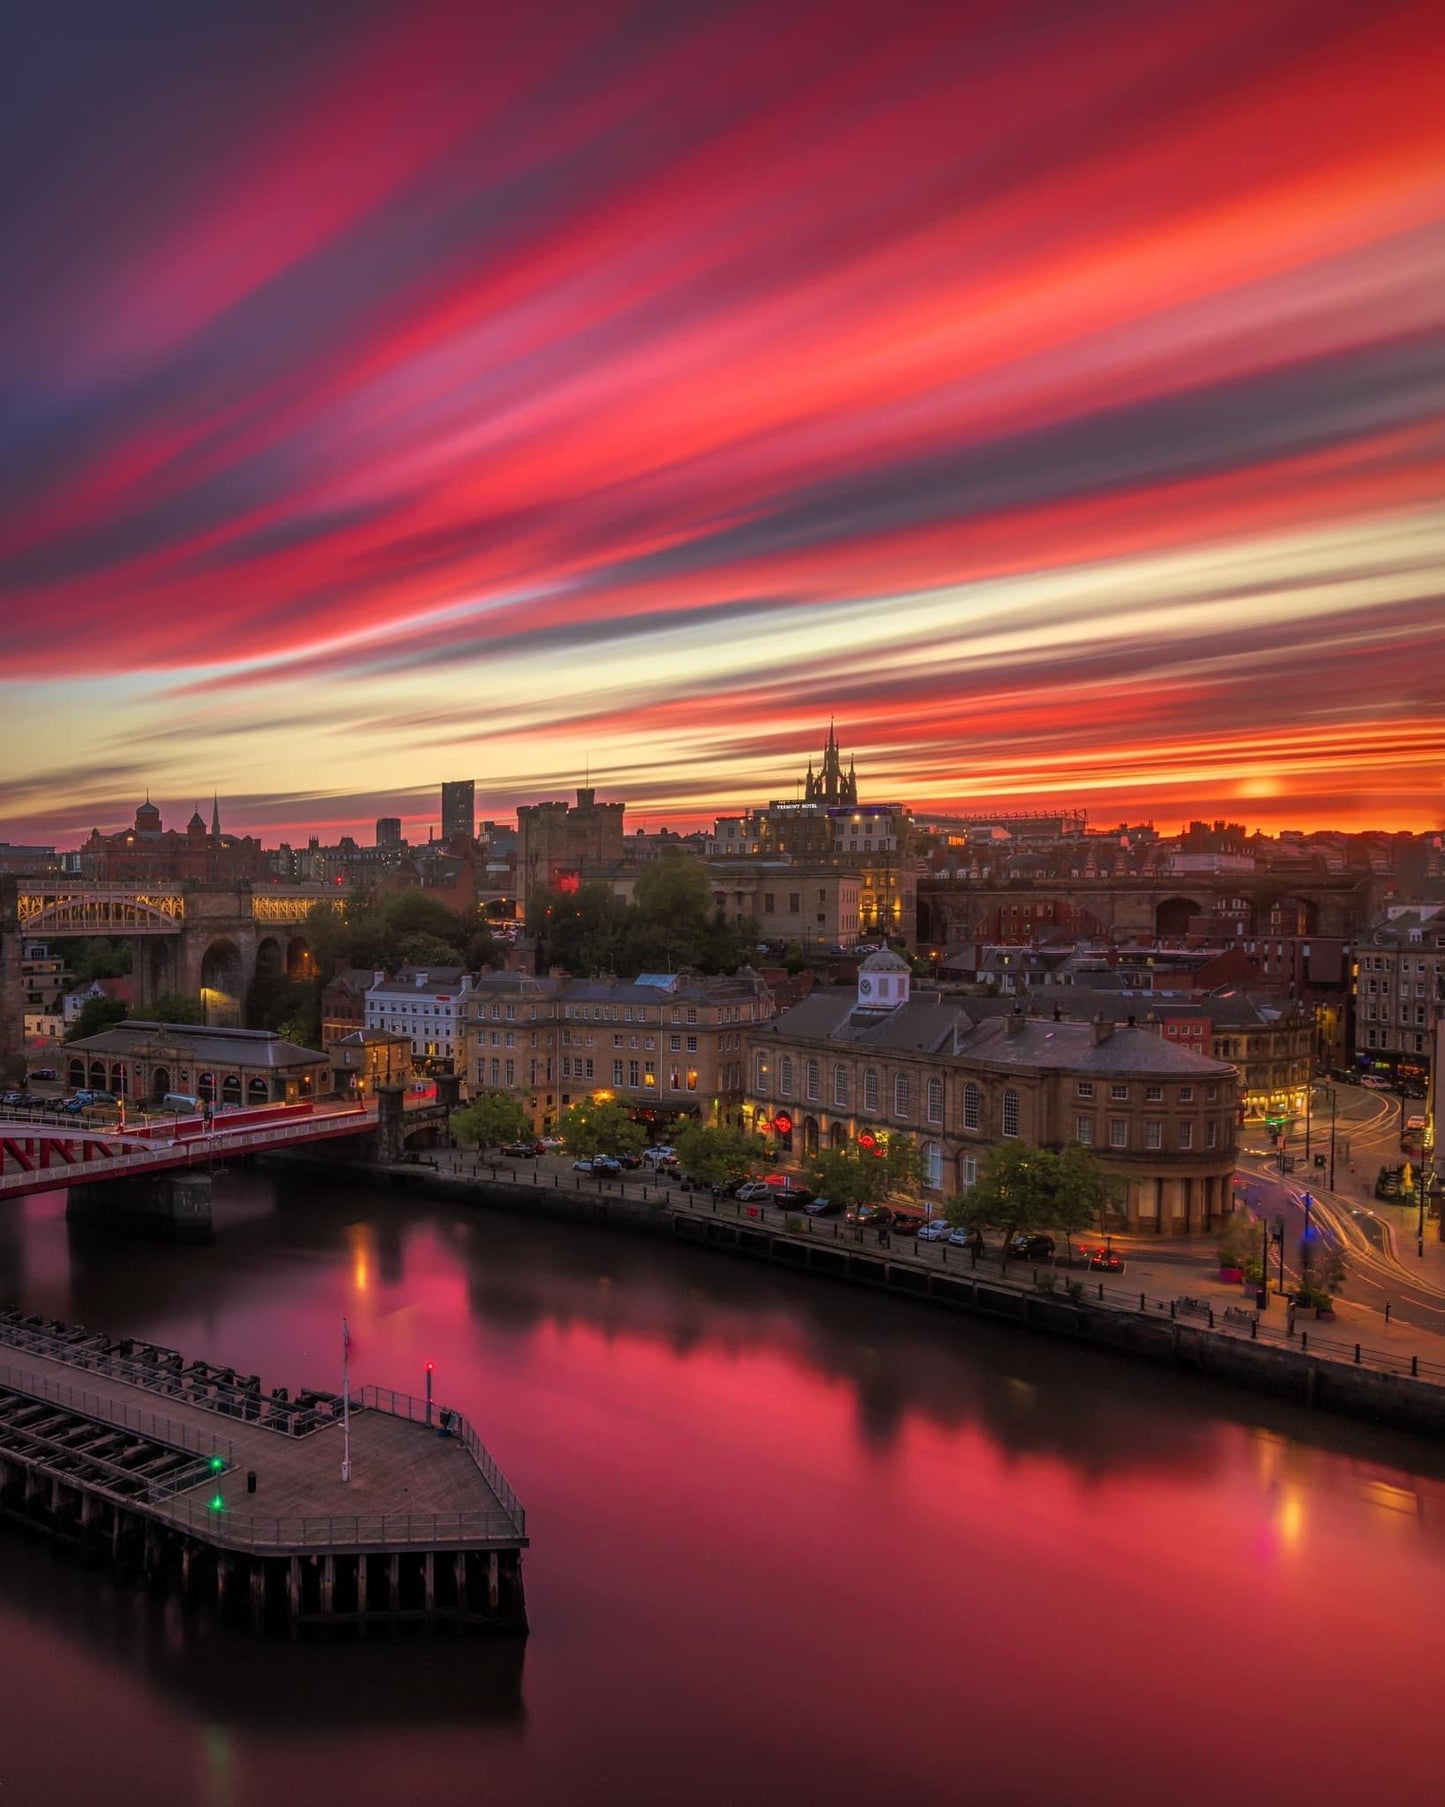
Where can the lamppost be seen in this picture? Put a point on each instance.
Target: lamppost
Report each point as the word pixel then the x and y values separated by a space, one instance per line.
pixel 1306 1253
pixel 1330 1091
pixel 1309 1095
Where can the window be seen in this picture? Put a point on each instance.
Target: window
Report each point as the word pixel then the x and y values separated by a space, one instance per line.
pixel 617 1072
pixel 1118 1132
pixel 902 1098
pixel 692 1044
pixel 1120 1093
pixel 870 1090
pixel 760 1073
pixel 1212 1094
pixel 1153 1133
pixel 1086 1088
pixel 840 1087
pixel 632 1075
pixel 674 1042
pixel 811 1085
pixel 972 1106
pixel 1186 1135
pixel 968 1171
pixel 1084 1131
pixel 932 1165
pixel 1153 1094
pixel 1186 1094
pixel 1010 1112
pixel 785 1076
pixel 767 903
pixel 935 1101
pixel 1211 1134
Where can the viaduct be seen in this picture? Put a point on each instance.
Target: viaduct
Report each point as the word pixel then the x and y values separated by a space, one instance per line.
pixel 199 941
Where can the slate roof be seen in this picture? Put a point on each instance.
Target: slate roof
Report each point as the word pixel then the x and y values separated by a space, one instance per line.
pixel 1043 1043
pixel 202 1046
pixel 830 1013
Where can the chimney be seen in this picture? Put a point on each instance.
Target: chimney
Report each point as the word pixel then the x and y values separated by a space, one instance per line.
pixel 1102 1028
pixel 1017 1021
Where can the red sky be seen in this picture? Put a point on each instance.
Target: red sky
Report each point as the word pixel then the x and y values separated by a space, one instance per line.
pixel 1051 393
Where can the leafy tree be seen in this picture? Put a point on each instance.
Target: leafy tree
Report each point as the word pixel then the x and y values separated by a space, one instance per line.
pixel 422 948
pixel 1014 1192
pixel 100 958
pixel 868 1176
pixel 721 1154
pixel 173 1007
pixel 96 1014
pixel 599 1126
pixel 1239 1240
pixel 491 1119
pixel 1085 1193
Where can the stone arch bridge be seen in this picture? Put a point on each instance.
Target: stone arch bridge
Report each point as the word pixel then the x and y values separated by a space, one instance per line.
pixel 1147 908
pixel 199 941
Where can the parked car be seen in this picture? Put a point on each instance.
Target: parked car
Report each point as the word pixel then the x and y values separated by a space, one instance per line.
pixel 658 1153
pixel 1375 1084
pixel 937 1229
pixel 519 1151
pixel 629 1161
pixel 43 1073
pixel 1026 1247
pixel 823 1207
pixel 551 1144
pixel 582 1167
pixel 752 1191
pixel 15 1101
pixel 966 1239
pixel 1106 1261
pixel 876 1217
pixel 907 1223
pixel 606 1163
pixel 72 1106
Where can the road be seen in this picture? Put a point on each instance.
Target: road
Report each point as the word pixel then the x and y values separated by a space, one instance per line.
pixel 1369 1234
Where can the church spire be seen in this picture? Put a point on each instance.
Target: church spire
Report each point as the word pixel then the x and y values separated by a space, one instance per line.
pixel 216 815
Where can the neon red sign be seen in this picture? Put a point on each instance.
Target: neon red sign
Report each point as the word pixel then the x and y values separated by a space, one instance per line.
pixel 867 1140
pixel 783 1123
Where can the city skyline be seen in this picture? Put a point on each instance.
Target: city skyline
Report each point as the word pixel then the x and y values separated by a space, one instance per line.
pixel 1055 399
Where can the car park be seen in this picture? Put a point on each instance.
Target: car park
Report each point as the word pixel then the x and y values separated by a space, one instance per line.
pixel 1027 1247
pixel 937 1229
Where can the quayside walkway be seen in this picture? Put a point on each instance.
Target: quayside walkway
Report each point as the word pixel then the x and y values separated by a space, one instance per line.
pixel 207 1486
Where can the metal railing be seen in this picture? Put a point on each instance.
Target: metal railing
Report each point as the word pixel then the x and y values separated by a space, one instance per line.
pixel 389 1530
pixel 406 1405
pixel 125 1417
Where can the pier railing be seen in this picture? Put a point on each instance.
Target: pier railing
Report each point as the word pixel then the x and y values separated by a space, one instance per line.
pixel 417 1411
pixel 340 1531
pixel 125 1417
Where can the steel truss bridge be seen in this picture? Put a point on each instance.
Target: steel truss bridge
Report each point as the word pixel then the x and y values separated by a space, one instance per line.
pixel 80 909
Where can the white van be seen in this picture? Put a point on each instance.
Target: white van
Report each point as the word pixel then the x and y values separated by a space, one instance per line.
pixel 180 1102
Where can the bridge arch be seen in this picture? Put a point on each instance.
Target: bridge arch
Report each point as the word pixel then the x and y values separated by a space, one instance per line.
pixel 300 962
pixel 1172 915
pixel 270 960
pixel 222 981
pixel 1291 916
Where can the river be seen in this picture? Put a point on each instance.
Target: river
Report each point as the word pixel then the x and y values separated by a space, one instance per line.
pixel 790 1543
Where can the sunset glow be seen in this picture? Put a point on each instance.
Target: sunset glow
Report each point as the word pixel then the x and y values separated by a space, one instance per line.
pixel 1053 395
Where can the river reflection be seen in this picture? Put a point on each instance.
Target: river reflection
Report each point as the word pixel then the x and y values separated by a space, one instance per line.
pixel 789 1542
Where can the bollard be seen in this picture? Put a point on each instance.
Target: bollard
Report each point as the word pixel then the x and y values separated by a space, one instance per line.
pixel 1387 1311
pixel 1101 1292
pixel 1254 1329
pixel 1357 1355
pixel 1211 1317
pixel 1142 1306
pixel 1172 1311
pixel 1304 1340
pixel 1414 1367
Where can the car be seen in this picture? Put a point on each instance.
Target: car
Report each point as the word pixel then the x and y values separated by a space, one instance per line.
pixel 629 1161
pixel 519 1151
pixel 658 1153
pixel 605 1163
pixel 43 1073
pixel 937 1229
pixel 550 1144
pixel 582 1167
pixel 823 1207
pixel 876 1217
pixel 966 1239
pixel 72 1106
pixel 906 1223
pixel 15 1101
pixel 1106 1261
pixel 1031 1247
pixel 1374 1084
pixel 791 1198
pixel 753 1192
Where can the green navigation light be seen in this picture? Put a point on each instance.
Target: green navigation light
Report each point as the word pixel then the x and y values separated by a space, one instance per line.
pixel 218 1504
pixel 217 1464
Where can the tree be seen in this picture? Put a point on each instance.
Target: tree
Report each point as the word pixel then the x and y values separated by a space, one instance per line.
pixel 491 1119
pixel 172 1007
pixel 1085 1193
pixel 100 958
pixel 96 1014
pixel 422 948
pixel 720 1155
pixel 893 1168
pixel 1014 1192
pixel 1239 1240
pixel 599 1126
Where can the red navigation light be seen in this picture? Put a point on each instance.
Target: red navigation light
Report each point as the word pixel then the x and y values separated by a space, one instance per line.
pixel 867 1140
pixel 783 1123
pixel 431 1367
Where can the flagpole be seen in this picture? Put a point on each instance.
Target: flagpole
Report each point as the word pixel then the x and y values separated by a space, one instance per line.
pixel 345 1402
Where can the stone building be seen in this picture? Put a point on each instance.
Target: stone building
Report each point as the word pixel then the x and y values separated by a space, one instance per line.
pixel 422 1003
pixel 567 844
pixel 665 1044
pixel 147 1061
pixel 883 1058
pixel 1398 980
pixel 364 1059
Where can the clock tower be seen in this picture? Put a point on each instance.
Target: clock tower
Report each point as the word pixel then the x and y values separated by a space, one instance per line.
pixel 883 981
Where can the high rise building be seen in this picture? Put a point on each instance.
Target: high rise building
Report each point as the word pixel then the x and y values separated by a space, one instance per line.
pixel 459 809
pixel 388 831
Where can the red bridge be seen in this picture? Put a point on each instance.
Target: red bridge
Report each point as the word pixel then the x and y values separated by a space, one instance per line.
pixel 45 1157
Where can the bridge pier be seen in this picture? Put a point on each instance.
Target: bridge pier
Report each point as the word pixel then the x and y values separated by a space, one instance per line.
pixel 176 1206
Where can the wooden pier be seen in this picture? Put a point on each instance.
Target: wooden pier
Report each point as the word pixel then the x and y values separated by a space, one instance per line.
pixel 195 1480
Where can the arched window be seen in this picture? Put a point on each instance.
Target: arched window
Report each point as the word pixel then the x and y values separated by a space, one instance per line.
pixel 932 1165
pixel 972 1106
pixel 840 1087
pixel 75 1074
pixel 760 1072
pixel 785 1076
pixel 935 1101
pixel 870 1090
pixel 902 1100
pixel 1010 1112
pixel 810 1081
